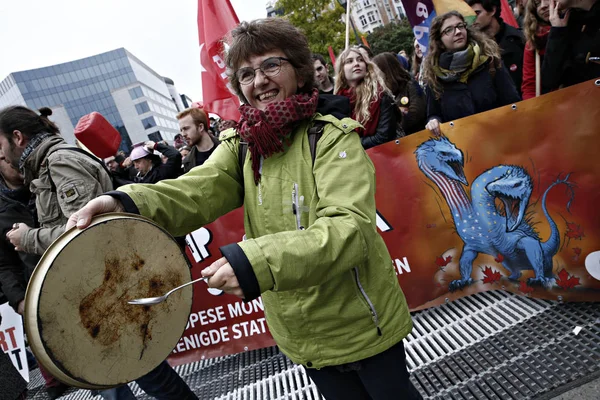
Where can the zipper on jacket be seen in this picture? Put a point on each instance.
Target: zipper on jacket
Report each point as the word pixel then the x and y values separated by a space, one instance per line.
pixel 371 306
pixel 296 207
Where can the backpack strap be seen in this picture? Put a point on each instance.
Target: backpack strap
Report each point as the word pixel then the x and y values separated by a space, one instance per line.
pixel 242 155
pixel 314 134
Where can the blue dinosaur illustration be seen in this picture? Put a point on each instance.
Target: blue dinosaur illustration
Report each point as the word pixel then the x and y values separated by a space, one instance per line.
pixel 482 225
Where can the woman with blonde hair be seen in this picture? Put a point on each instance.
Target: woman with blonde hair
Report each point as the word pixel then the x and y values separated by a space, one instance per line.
pixel 371 102
pixel 537 29
pixel 463 71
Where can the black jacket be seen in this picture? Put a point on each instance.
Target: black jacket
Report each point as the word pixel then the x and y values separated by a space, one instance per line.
pixel 387 126
pixel 414 120
pixel 189 161
pixel 512 45
pixel 169 170
pixel 484 90
pixel 15 267
pixel 567 49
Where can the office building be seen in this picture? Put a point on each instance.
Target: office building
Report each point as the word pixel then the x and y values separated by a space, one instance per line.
pixel 136 100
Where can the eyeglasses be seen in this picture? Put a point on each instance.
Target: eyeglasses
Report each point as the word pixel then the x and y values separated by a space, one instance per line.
pixel 452 29
pixel 270 68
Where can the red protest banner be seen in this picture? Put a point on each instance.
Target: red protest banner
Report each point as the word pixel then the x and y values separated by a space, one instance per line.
pixel 507 200
pixel 215 19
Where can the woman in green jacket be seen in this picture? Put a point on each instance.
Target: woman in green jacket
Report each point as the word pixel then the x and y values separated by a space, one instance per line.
pixel 332 299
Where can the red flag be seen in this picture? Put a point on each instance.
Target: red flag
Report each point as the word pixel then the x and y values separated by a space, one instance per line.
pixel 215 19
pixel 507 14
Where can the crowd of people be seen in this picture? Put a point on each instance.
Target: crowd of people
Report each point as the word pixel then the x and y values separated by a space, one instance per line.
pixel 326 278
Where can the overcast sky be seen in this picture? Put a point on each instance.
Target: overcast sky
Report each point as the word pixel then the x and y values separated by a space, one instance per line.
pixel 161 33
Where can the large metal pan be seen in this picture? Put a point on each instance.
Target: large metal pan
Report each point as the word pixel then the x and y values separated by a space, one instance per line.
pixel 77 319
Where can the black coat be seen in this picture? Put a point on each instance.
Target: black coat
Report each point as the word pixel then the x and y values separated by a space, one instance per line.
pixel 565 59
pixel 169 170
pixel 15 267
pixel 387 126
pixel 484 90
pixel 512 46
pixel 414 120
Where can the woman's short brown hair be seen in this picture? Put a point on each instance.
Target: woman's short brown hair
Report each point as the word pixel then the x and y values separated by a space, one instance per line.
pixel 260 36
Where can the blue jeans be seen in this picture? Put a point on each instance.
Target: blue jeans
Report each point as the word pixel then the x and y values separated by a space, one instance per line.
pixel 162 382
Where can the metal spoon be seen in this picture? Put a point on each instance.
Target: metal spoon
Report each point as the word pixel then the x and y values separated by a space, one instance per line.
pixel 149 301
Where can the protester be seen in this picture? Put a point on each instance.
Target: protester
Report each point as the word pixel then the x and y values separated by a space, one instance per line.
pixel 573 38
pixel 150 167
pixel 179 141
pixel 408 95
pixel 537 28
pixel 15 207
pixel 16 267
pixel 121 175
pixel 193 125
pixel 64 180
pixel 372 103
pixel 323 81
pixel 519 12
pixel 330 294
pixel 464 72
pixel 509 38
pixel 417 64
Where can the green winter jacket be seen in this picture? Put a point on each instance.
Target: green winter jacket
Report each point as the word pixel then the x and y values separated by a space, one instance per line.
pixel 328 285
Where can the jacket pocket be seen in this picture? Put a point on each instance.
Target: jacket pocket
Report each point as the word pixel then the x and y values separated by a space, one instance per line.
pixel 46 202
pixel 365 297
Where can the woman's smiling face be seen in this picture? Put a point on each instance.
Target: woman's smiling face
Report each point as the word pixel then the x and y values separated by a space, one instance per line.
pixel 268 89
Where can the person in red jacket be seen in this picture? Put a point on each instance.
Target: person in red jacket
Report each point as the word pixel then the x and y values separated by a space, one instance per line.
pixel 537 28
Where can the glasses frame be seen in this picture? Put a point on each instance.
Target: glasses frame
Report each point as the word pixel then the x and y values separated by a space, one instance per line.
pixel 261 68
pixel 452 29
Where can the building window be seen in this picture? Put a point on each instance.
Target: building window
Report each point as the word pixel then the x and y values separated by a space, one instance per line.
pixel 371 16
pixel 155 136
pixel 149 122
pixel 142 107
pixel 135 92
pixel 363 20
pixel 366 3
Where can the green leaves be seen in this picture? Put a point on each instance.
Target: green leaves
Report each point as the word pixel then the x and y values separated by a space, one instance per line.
pixel 392 37
pixel 320 20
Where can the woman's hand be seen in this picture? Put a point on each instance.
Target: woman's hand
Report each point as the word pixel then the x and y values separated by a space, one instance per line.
pixel 223 277
pixel 555 19
pixel 434 126
pixel 16 234
pixel 100 205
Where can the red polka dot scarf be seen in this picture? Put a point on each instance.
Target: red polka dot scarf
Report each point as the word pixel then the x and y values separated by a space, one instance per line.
pixel 265 131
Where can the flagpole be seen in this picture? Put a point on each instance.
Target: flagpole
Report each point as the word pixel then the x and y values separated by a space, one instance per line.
pixel 348 23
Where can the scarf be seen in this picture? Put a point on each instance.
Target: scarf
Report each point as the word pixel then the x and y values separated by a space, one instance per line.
pixel 458 66
pixel 265 131
pixel 31 146
pixel 370 126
